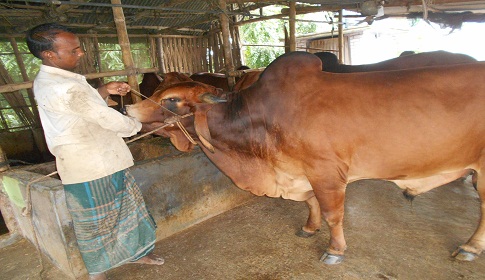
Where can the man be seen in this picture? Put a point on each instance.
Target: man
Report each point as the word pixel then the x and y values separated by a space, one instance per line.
pixel 111 221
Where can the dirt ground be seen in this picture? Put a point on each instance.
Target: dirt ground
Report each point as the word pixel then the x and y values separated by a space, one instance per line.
pixel 387 237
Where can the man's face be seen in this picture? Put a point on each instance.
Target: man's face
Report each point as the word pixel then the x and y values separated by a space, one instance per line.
pixel 66 54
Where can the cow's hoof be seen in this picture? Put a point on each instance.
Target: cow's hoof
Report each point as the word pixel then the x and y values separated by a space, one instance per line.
pixel 332 259
pixel 305 234
pixel 463 255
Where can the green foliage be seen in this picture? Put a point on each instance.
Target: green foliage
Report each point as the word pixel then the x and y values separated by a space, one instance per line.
pixel 271 34
pixel 111 59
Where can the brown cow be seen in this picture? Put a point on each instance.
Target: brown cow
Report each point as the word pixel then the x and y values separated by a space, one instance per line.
pixel 304 134
pixel 217 80
pixel 247 79
pixel 170 79
pixel 330 62
pixel 149 83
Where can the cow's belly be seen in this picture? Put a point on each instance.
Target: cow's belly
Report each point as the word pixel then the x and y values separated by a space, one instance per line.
pixel 291 186
pixel 418 186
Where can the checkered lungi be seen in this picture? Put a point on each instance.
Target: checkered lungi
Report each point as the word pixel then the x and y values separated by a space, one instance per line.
pixel 111 221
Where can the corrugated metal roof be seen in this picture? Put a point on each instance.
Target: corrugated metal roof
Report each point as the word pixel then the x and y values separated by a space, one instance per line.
pixel 176 17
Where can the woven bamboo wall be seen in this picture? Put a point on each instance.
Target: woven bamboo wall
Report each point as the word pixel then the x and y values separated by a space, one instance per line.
pixel 331 45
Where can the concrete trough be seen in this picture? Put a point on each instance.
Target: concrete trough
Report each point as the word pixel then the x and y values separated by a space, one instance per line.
pixel 180 189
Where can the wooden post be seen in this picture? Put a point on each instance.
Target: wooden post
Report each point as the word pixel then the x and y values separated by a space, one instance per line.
pixel 25 77
pixel 37 132
pixel 124 42
pixel 226 44
pixel 292 24
pixel 98 54
pixel 340 37
pixel 160 56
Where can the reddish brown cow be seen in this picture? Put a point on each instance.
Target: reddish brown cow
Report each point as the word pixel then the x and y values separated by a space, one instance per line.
pixel 247 79
pixel 217 80
pixel 330 62
pixel 304 134
pixel 170 79
pixel 149 83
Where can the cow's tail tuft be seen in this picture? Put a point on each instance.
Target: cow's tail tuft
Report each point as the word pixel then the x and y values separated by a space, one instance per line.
pixel 408 196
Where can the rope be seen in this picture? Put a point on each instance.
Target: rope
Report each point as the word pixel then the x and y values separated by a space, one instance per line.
pixel 28 209
pixel 148 98
pixel 168 122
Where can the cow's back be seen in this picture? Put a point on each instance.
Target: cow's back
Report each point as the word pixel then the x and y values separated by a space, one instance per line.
pixel 397 116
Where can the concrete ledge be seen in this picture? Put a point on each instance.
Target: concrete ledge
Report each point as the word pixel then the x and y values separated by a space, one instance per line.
pixel 180 190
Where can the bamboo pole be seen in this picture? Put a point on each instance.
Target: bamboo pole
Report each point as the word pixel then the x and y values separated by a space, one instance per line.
pixel 26 85
pixel 37 132
pixel 25 77
pixel 226 44
pixel 340 37
pixel 124 42
pixel 292 24
pixel 160 55
pixel 98 54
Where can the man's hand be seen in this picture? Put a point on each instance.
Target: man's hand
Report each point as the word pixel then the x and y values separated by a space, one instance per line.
pixel 115 88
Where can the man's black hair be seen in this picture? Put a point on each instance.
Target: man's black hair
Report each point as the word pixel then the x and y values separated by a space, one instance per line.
pixel 41 37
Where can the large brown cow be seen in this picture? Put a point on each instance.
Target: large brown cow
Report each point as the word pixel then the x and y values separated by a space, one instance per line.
pixel 330 62
pixel 304 134
pixel 218 80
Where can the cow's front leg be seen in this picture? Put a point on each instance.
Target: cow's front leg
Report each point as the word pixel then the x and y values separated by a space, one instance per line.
pixel 332 207
pixel 314 222
pixel 476 243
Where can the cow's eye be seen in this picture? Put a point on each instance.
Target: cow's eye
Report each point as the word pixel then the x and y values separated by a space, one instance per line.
pixel 171 100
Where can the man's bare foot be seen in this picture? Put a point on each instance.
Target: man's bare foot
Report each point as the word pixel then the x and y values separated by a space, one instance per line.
pixel 99 276
pixel 151 259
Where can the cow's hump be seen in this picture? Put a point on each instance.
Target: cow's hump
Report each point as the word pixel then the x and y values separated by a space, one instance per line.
pixel 291 65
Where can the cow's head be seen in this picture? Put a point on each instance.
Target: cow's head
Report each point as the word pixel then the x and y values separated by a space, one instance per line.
pixel 177 100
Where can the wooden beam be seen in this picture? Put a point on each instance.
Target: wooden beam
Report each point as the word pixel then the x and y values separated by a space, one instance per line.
pixel 124 42
pixel 226 44
pixel 340 37
pixel 292 24
pixel 26 85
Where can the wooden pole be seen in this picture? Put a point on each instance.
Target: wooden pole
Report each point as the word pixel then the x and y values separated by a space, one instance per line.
pixel 25 77
pixel 292 25
pixel 160 55
pixel 36 128
pixel 340 37
pixel 124 42
pixel 226 44
pixel 7 88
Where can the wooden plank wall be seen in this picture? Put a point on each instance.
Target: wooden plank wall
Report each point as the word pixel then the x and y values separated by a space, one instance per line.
pixel 330 45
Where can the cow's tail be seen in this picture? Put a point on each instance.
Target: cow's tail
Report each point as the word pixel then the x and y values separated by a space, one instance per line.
pixel 474 179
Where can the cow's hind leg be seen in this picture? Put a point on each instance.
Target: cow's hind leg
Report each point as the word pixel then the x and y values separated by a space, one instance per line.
pixel 476 243
pixel 314 222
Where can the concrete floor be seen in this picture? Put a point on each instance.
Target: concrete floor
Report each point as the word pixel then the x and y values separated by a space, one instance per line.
pixel 387 237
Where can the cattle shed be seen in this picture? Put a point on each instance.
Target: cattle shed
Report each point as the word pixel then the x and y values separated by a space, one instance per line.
pixel 157 37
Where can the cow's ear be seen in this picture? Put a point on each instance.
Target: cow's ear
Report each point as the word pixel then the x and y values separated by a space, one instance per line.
pixel 211 98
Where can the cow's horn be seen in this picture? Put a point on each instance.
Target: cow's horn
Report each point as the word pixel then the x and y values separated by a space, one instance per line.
pixel 211 99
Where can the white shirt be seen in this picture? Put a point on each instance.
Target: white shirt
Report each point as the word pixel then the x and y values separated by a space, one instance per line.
pixel 81 131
